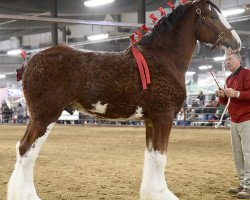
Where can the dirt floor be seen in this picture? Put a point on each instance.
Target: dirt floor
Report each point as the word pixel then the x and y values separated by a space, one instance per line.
pixel 105 163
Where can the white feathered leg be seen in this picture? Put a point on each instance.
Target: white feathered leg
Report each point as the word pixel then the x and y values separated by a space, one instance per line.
pixel 21 185
pixel 12 182
pixel 154 186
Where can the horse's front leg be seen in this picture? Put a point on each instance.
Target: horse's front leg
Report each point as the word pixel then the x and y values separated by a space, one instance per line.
pixel 154 186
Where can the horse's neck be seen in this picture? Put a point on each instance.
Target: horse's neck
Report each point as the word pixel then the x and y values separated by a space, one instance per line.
pixel 174 49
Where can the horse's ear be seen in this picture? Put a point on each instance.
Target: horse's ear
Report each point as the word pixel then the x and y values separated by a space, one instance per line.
pixel 203 1
pixel 200 1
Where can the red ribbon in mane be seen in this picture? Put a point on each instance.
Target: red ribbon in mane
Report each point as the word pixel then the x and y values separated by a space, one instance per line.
pixel 163 13
pixel 138 33
pixel 144 28
pixel 184 1
pixel 153 17
pixel 171 5
pixel 142 65
pixel 23 54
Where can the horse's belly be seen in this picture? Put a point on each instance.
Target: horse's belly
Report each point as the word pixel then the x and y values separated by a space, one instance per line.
pixel 112 112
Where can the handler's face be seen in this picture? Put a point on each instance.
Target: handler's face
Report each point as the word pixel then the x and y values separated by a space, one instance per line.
pixel 232 62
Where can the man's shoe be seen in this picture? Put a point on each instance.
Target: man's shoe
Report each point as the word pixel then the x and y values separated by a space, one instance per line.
pixel 235 190
pixel 244 194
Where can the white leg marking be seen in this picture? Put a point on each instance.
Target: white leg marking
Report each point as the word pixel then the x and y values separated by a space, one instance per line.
pixel 21 185
pixel 236 36
pixel 99 108
pixel 12 182
pixel 154 186
pixel 223 20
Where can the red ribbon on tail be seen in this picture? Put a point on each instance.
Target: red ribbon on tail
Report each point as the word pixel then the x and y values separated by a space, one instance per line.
pixel 20 70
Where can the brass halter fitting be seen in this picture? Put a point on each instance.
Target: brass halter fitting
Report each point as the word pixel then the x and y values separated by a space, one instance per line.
pixel 198 11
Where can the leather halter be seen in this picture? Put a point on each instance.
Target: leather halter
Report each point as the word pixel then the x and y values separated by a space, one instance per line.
pixel 221 35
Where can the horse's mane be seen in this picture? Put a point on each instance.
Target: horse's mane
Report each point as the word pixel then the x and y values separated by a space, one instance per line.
pixel 165 24
pixel 168 22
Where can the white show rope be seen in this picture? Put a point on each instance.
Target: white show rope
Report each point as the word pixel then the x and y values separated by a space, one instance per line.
pixel 229 99
pixel 221 118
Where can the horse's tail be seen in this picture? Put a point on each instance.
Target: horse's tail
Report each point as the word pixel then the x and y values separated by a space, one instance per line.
pixel 20 71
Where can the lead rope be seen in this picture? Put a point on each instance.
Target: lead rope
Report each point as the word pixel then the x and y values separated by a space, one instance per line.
pixel 204 60
pixel 229 99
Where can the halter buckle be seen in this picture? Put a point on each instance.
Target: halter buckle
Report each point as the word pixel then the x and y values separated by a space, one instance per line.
pixel 202 19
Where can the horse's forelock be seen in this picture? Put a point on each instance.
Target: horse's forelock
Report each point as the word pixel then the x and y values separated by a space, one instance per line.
pixel 214 6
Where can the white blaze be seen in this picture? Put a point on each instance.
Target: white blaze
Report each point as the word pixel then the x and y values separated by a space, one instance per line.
pixel 236 36
pixel 99 108
pixel 228 26
pixel 223 20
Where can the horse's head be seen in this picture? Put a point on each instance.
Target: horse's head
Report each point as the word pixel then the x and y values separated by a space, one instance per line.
pixel 212 27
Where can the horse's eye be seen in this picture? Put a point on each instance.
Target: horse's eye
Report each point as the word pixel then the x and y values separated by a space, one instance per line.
pixel 214 17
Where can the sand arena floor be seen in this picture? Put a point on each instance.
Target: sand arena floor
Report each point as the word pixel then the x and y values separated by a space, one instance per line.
pixel 105 163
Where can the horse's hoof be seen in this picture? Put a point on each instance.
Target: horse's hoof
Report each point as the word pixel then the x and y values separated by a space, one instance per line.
pixel 35 198
pixel 158 195
pixel 29 197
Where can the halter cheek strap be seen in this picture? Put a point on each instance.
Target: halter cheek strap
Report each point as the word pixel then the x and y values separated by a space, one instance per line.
pixel 221 35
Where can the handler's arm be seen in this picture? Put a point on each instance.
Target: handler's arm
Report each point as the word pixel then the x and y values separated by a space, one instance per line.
pixel 245 95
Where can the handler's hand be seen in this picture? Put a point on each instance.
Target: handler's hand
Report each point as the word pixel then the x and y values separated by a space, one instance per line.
pixel 221 93
pixel 230 92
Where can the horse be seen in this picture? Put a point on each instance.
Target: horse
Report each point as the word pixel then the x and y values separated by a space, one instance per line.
pixel 108 85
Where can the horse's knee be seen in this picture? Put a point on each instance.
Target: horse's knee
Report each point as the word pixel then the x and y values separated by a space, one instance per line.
pixel 35 131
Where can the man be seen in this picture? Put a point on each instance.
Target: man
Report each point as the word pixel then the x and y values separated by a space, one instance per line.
pixel 6 113
pixel 238 89
pixel 20 113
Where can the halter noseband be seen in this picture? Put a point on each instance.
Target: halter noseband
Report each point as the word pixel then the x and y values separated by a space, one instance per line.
pixel 221 35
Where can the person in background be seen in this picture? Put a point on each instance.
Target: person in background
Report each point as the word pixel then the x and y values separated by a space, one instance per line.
pixel 197 108
pixel 7 113
pixel 218 115
pixel 201 97
pixel 212 107
pixel 20 113
pixel 181 117
pixel 238 89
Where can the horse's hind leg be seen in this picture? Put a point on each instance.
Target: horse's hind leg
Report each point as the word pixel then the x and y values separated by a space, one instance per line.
pixel 154 186
pixel 21 185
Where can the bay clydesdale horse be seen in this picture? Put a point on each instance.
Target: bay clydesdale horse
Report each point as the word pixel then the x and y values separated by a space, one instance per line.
pixel 108 85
